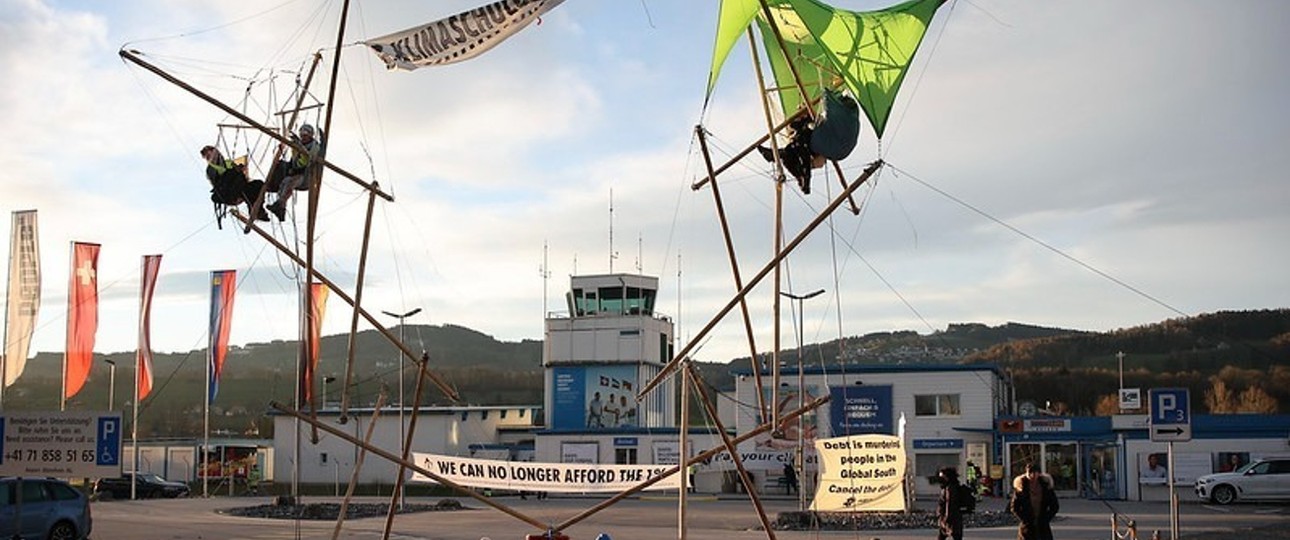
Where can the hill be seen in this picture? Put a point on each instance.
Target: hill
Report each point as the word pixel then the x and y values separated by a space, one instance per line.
pixel 1240 359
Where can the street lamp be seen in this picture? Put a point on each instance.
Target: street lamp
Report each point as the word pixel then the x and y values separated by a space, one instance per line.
pixel 399 351
pixel 801 391
pixel 111 383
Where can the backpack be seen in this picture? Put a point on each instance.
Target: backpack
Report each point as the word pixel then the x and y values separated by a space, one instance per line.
pixel 965 498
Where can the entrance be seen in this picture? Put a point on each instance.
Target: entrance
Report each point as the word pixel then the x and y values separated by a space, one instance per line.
pixel 1058 460
pixel 1101 481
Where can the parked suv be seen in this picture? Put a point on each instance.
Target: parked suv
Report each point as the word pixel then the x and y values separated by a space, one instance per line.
pixel 42 508
pixel 150 486
pixel 1260 480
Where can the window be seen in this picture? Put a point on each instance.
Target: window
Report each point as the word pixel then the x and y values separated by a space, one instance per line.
pixel 6 494
pixel 625 456
pixel 34 492
pixel 62 492
pixel 936 405
pixel 503 414
pixel 926 466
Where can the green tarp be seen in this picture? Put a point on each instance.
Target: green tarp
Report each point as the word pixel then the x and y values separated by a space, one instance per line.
pixel 868 52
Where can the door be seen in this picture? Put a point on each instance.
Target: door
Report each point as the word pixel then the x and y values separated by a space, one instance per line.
pixel 37 508
pixel 1061 461
pixel 1100 478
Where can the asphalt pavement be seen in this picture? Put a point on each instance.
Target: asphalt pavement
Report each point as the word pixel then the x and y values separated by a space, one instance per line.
pixel 708 518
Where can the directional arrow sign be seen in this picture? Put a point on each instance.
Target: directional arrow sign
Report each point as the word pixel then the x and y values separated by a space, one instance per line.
pixel 1170 414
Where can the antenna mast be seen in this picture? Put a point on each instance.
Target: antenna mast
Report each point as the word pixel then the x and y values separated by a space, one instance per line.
pixel 545 272
pixel 612 254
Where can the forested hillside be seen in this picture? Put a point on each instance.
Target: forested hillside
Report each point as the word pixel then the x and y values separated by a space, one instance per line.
pixel 1235 361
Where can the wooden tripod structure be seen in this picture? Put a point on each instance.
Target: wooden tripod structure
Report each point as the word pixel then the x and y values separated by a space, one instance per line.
pixel 680 362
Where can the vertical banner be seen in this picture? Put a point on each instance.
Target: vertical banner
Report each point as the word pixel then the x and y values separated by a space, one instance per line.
pixel 319 308
pixel 862 472
pixel 143 356
pixel 223 285
pixel 82 316
pixel 24 294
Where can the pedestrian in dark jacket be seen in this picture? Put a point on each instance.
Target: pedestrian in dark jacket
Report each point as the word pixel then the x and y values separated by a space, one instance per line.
pixel 949 513
pixel 1034 503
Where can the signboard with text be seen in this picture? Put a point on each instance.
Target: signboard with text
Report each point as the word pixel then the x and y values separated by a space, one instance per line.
pixel 1170 414
pixel 857 410
pixel 79 444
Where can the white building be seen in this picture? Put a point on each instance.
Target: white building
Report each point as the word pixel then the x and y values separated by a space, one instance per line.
pixel 597 356
pixel 468 431
pixel 949 413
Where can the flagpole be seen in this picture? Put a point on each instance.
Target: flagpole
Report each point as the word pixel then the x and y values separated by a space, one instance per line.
pixel 62 396
pixel 4 353
pixel 206 413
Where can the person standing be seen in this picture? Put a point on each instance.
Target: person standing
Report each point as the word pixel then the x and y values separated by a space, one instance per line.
pixel 1034 504
pixel 790 478
pixel 949 509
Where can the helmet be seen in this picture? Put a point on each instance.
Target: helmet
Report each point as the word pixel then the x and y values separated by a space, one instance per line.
pixel 306 129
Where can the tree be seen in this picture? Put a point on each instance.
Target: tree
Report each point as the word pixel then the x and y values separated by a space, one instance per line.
pixel 1255 400
pixel 1219 399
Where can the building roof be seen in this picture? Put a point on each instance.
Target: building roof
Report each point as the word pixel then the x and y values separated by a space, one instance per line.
pixel 856 369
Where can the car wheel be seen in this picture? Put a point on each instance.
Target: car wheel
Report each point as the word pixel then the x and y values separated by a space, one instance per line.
pixel 62 531
pixel 1223 495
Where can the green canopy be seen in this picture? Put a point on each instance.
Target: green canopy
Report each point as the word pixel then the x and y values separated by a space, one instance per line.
pixel 868 52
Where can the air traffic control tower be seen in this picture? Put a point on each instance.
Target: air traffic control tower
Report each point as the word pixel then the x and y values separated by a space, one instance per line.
pixel 596 357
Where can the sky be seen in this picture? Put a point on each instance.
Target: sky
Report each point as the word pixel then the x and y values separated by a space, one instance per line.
pixel 1086 165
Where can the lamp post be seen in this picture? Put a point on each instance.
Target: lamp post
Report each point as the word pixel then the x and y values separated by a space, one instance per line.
pixel 1120 356
pixel 111 383
pixel 399 352
pixel 801 392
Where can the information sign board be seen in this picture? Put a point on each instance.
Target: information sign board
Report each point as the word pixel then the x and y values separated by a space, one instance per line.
pixel 69 444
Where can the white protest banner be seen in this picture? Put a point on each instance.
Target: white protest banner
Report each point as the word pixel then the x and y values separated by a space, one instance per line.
pixel 861 472
pixel 533 476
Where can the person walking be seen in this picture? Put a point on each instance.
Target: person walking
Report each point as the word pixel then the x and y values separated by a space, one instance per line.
pixel 1034 504
pixel 949 508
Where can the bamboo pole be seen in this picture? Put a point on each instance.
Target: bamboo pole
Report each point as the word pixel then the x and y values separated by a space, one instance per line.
pixel 438 381
pixel 684 463
pixel 734 269
pixel 358 466
pixel 358 301
pixel 397 494
pixel 744 476
pixel 412 466
pixel 133 57
pixel 670 366
pixel 254 209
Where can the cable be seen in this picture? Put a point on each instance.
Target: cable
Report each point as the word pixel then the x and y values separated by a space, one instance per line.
pixel 1045 245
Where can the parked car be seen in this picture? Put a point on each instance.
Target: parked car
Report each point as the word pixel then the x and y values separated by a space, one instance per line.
pixel 150 486
pixel 1262 479
pixel 43 508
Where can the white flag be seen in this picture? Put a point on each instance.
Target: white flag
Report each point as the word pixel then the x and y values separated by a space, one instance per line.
pixel 24 294
pixel 460 37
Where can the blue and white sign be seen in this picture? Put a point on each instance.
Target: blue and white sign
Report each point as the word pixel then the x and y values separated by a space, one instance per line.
pixel 857 410
pixel 69 444
pixel 938 444
pixel 1170 414
pixel 594 398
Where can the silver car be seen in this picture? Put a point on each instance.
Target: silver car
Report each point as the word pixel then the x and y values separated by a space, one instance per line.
pixel 42 508
pixel 1264 479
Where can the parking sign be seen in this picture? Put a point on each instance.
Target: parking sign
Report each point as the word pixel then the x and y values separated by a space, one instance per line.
pixel 1170 414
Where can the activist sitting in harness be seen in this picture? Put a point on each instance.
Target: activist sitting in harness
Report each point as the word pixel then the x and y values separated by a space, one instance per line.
pixel 229 186
pixel 287 177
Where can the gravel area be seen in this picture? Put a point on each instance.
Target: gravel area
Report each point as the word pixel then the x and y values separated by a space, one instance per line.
pixel 875 521
pixel 330 511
